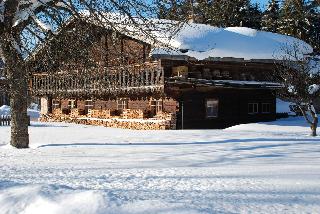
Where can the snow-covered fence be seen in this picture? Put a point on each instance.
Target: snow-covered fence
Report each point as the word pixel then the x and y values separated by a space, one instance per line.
pixel 5 120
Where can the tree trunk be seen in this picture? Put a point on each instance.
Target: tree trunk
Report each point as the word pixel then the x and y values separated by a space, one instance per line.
pixel 314 122
pixel 19 104
pixel 18 88
pixel 314 130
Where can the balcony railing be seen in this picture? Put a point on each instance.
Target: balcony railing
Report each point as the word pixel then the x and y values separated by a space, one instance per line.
pixel 127 80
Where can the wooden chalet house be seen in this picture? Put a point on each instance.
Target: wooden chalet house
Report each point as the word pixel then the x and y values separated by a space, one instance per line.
pixel 209 78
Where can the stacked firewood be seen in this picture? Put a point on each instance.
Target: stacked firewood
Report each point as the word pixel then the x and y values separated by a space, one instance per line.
pixel 74 113
pixel 93 113
pixel 170 119
pixel 57 111
pixel 136 125
pixel 132 114
pixel 130 119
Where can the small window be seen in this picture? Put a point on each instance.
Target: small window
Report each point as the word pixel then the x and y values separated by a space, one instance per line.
pixel 216 73
pixel 55 104
pixel 266 108
pixel 206 74
pixel 212 108
pixel 225 74
pixel 243 76
pixel 156 106
pixel 72 104
pixel 122 104
pixel 253 108
pixel 88 104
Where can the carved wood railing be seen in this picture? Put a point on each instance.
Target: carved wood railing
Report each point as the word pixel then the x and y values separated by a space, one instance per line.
pixel 127 80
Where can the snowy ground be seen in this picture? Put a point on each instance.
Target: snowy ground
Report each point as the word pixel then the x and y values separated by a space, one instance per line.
pixel 255 168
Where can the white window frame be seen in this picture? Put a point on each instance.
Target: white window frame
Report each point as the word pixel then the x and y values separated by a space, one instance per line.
pixel 122 104
pixel 72 104
pixel 56 104
pixel 88 106
pixel 269 108
pixel 255 110
pixel 212 103
pixel 157 105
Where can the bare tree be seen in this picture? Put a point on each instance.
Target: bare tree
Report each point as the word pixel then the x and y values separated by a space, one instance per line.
pixel 26 24
pixel 300 76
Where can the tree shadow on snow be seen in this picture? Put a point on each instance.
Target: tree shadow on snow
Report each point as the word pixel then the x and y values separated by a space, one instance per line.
pixel 293 140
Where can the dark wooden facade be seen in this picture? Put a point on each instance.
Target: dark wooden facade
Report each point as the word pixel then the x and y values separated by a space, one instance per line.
pixel 213 93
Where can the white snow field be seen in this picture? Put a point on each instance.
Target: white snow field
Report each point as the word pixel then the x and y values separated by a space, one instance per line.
pixel 254 168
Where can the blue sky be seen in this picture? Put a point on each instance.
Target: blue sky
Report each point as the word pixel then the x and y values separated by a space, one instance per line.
pixel 261 2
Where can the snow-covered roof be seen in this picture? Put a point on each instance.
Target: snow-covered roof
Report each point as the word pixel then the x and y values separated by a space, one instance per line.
pixel 203 41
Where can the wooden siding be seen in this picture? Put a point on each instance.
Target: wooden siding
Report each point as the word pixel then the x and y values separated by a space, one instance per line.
pixel 232 109
pixel 238 70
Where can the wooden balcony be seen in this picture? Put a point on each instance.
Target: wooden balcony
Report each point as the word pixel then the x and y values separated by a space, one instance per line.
pixel 132 80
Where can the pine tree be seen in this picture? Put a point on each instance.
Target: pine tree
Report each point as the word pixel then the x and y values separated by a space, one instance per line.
pixel 172 10
pixel 294 19
pixel 227 13
pixel 201 10
pixel 313 15
pixel 253 17
pixel 270 19
pixel 300 18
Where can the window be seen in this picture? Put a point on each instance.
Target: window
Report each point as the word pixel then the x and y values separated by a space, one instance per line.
pixel 55 104
pixel 206 74
pixel 72 104
pixel 225 74
pixel 122 104
pixel 243 76
pixel 253 108
pixel 212 108
pixel 88 104
pixel 266 108
pixel 156 106
pixel 216 73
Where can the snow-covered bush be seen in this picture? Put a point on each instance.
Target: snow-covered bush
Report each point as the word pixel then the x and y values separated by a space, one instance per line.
pixel 300 76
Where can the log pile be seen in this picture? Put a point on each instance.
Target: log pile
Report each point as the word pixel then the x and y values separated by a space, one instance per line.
pixel 132 114
pixel 57 111
pixel 130 119
pixel 168 117
pixel 103 114
pixel 135 125
pixel 74 113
